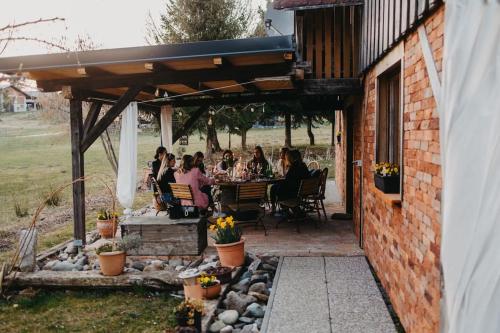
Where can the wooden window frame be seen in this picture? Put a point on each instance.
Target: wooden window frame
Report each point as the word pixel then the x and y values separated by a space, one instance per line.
pixel 390 61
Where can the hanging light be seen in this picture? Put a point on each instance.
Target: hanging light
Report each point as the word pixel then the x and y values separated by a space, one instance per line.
pixel 210 121
pixel 252 109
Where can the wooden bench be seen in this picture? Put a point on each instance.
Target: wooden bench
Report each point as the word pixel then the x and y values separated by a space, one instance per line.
pixel 162 236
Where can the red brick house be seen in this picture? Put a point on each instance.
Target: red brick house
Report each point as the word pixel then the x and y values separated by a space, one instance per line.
pixel 383 43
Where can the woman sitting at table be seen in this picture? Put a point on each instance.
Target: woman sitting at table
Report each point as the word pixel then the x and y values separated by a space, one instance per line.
pixel 166 176
pixel 258 160
pixel 188 174
pixel 288 188
pixel 155 166
pixel 198 161
pixel 228 161
pixel 281 164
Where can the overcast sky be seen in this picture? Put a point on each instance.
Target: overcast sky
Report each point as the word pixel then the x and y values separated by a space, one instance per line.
pixel 109 23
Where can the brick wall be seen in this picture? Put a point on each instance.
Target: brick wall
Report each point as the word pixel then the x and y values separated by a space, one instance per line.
pixel 402 242
pixel 340 152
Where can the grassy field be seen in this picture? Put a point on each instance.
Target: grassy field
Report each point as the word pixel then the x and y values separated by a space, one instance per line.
pixel 97 311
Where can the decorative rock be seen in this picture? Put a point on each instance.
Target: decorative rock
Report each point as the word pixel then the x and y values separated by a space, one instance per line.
pixel 63 256
pixel 227 329
pixel 259 321
pixel 259 288
pixel 131 270
pixel 96 266
pixel 174 262
pixel 48 266
pixel 273 261
pixel 71 249
pixel 236 330
pixel 86 267
pixel 258 278
pixel 138 265
pixel 186 262
pixel 250 329
pixel 195 263
pixel 82 261
pixel 246 320
pixel 260 297
pixel 229 317
pixel 238 302
pixel 242 285
pixel 255 310
pixel 268 267
pixel 254 265
pixel 158 264
pixel 217 326
pixel 204 267
pixel 64 266
pixel 246 275
pixel 179 268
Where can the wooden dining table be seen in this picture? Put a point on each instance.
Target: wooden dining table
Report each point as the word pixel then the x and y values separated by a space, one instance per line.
pixel 228 188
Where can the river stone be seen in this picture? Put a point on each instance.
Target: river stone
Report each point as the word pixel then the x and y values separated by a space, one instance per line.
pixel 175 262
pixel 260 297
pixel 254 265
pixel 63 256
pixel 246 275
pixel 258 278
pixel 82 261
pixel 229 317
pixel 242 285
pixel 157 264
pixel 250 329
pixel 139 265
pixel 255 310
pixel 246 320
pixel 206 266
pixel 71 248
pixel 48 266
pixel 238 302
pixel 64 266
pixel 217 326
pixel 268 267
pixel 273 261
pixel 227 329
pixel 236 330
pixel 259 321
pixel 259 288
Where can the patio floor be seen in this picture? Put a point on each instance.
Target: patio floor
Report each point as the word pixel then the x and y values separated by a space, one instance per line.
pixel 331 238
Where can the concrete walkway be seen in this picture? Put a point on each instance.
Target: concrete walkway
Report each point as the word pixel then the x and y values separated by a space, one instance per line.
pixel 326 295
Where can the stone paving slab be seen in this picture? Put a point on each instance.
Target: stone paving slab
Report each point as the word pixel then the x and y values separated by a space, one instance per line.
pixel 327 294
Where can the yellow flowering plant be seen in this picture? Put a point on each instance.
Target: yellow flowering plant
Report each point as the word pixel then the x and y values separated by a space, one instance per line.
pixel 206 280
pixel 106 214
pixel 188 312
pixel 226 231
pixel 387 169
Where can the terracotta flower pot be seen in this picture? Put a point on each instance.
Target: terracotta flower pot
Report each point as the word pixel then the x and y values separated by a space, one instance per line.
pixel 112 263
pixel 193 292
pixel 232 254
pixel 192 289
pixel 212 291
pixel 107 228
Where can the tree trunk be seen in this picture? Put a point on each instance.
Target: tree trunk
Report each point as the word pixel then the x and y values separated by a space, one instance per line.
pixel 215 140
pixel 288 130
pixel 212 140
pixel 309 131
pixel 244 139
pixel 229 144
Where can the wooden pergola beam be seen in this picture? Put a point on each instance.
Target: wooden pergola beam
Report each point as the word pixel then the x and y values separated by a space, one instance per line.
pixel 110 116
pixel 90 120
pixel 160 77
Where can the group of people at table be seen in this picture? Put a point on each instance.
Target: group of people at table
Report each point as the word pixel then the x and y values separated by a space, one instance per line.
pixel 289 169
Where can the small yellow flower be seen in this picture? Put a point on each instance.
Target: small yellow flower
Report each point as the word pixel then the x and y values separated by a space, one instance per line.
pixel 219 220
pixel 223 225
pixel 212 227
pixel 229 219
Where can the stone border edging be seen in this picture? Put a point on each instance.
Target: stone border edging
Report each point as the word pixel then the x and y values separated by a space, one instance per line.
pixel 270 302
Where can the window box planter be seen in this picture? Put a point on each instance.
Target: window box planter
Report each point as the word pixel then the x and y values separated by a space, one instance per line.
pixel 387 184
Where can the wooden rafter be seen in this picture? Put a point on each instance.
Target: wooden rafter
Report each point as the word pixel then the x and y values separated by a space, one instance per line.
pixel 189 123
pixel 93 114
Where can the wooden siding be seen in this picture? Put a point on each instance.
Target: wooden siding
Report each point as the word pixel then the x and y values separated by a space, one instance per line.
pixel 386 22
pixel 328 39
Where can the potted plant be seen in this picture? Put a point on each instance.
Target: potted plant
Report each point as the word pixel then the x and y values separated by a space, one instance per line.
pixel 107 223
pixel 228 241
pixel 192 288
pixel 189 314
pixel 112 255
pixel 210 286
pixel 387 177
pixel 223 274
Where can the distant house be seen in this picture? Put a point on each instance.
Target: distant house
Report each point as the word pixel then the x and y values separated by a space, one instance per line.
pixel 14 99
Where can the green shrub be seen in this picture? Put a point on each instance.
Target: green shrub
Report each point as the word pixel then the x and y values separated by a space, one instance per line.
pixel 53 198
pixel 21 211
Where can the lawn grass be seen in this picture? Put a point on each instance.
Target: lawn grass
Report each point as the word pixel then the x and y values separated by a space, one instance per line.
pixel 89 311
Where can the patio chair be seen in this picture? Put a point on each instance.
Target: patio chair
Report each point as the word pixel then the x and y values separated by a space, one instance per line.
pixel 157 201
pixel 313 165
pixel 250 198
pixel 298 206
pixel 182 191
pixel 315 201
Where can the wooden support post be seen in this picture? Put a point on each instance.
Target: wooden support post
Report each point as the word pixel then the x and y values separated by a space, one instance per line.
pixel 76 123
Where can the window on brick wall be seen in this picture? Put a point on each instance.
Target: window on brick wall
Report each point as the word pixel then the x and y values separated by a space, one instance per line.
pixel 389 116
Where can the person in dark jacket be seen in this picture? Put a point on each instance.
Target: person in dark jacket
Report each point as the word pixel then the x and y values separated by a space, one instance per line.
pixel 258 161
pixel 288 188
pixel 166 176
pixel 199 157
pixel 160 151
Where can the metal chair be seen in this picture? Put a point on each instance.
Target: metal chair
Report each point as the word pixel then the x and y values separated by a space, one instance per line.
pixel 250 198
pixel 298 205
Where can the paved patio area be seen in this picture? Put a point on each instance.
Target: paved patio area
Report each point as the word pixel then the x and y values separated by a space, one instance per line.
pixel 326 294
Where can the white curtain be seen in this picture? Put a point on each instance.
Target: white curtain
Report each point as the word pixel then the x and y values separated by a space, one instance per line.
pixel 470 145
pixel 166 127
pixel 127 162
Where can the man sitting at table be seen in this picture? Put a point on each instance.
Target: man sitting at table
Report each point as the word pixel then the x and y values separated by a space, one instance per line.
pixel 227 162
pixel 288 188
